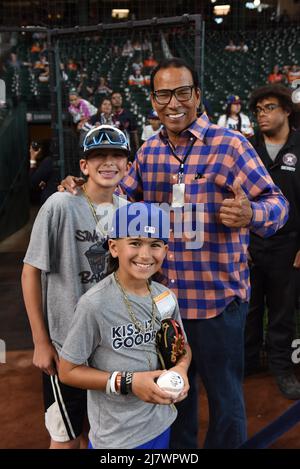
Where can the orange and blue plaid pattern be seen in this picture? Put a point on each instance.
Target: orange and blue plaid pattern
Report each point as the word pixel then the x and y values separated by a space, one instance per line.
pixel 206 279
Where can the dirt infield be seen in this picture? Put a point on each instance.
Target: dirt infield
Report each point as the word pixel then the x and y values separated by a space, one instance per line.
pixel 21 406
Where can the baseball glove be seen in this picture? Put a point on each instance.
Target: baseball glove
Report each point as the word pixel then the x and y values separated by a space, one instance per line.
pixel 169 343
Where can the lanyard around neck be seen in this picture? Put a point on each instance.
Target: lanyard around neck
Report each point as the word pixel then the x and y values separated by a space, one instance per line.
pixel 182 161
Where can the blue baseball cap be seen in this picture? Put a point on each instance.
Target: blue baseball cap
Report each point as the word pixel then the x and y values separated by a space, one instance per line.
pixel 153 115
pixel 233 99
pixel 140 220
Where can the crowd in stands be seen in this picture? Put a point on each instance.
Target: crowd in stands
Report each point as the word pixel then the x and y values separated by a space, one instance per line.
pixel 286 76
pixel 232 47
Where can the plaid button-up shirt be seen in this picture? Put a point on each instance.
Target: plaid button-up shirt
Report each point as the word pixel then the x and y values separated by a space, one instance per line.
pixel 206 279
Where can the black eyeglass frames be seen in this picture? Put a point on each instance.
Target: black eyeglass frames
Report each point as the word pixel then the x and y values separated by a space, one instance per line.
pixel 182 93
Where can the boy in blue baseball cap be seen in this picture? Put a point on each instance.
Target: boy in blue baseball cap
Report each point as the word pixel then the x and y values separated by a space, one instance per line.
pixel 114 331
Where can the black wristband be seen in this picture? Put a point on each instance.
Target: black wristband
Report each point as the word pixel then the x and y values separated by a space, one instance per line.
pixel 123 384
pixel 128 381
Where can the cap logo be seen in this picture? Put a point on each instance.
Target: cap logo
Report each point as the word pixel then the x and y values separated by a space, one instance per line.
pixel 149 229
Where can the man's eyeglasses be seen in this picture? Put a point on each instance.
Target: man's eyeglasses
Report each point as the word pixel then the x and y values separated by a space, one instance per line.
pixel 265 109
pixel 182 93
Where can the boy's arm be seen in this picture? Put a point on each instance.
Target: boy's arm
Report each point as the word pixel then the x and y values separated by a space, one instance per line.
pixel 45 356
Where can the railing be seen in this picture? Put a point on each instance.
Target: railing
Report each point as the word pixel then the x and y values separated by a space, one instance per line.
pixel 14 185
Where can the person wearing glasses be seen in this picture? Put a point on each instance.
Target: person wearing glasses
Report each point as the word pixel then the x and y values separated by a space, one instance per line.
pixel 273 260
pixel 199 168
pixel 64 259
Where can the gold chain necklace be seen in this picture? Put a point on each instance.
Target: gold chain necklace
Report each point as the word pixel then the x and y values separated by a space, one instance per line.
pixel 92 208
pixel 103 232
pixel 132 316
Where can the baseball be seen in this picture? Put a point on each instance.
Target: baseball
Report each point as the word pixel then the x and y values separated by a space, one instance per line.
pixel 171 382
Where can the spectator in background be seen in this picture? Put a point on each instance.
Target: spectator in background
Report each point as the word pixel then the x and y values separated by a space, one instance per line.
pixel 125 120
pixel 102 90
pixel 137 64
pixel 276 76
pixel 84 87
pixel 153 127
pixel 14 61
pixel 293 74
pixel 234 119
pixel 80 109
pixel 231 47
pixel 242 47
pixel 150 62
pixel 136 78
pixel 104 114
pixel 43 174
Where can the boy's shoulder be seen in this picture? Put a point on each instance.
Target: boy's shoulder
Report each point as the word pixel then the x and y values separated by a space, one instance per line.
pixel 62 199
pixel 103 287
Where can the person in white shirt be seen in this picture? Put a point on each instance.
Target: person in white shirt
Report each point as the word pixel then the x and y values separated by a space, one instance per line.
pixel 234 119
pixel 153 127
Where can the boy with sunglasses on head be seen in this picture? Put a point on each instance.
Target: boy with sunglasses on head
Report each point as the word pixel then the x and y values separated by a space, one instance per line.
pixel 114 331
pixel 64 259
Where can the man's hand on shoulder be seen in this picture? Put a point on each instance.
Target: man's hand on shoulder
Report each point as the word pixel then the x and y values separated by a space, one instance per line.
pixel 70 184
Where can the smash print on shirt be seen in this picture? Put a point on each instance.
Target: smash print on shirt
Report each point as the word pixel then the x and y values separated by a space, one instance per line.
pixel 96 255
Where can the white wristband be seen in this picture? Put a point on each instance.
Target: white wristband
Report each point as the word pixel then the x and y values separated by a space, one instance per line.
pixel 32 163
pixel 113 382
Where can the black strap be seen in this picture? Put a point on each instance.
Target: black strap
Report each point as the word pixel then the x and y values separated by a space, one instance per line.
pixel 182 161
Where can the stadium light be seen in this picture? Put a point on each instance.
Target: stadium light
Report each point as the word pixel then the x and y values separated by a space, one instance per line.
pixel 256 3
pixel 120 13
pixel 218 20
pixel 221 10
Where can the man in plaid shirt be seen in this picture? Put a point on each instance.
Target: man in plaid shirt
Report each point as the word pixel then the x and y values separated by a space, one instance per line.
pixel 218 168
pixel 192 161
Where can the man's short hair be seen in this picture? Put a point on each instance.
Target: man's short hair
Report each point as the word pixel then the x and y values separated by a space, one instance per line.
pixel 173 63
pixel 284 96
pixel 282 93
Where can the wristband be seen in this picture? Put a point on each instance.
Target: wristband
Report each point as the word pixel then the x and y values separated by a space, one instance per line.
pixel 123 384
pixel 118 383
pixel 113 382
pixel 33 162
pixel 107 388
pixel 128 381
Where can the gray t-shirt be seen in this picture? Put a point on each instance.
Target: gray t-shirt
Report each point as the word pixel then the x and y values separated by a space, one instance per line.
pixel 67 248
pixel 273 149
pixel 103 335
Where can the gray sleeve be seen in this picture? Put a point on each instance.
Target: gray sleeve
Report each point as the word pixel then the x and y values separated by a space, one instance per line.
pixel 84 335
pixel 41 252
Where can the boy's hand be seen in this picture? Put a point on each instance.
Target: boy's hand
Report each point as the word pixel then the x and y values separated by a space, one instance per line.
pixel 145 388
pixel 46 358
pixel 183 373
pixel 71 184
